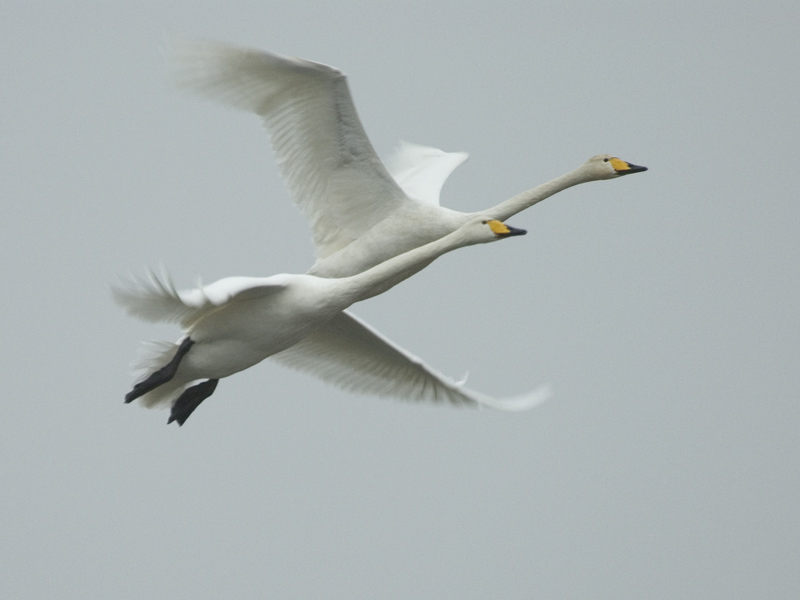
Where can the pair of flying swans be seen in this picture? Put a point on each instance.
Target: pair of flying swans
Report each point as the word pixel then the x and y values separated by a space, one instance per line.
pixel 372 227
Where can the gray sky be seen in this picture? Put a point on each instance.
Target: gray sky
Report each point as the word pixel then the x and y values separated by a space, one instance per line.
pixel 663 309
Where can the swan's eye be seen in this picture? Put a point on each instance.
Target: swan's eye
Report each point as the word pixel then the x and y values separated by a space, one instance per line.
pixel 484 221
pixel 605 160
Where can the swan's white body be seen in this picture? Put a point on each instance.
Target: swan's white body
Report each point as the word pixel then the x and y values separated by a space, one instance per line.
pixel 237 322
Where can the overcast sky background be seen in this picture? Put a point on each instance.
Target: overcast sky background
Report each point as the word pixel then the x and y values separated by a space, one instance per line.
pixel 662 307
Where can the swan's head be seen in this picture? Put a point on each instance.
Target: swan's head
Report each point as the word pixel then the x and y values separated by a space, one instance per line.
pixel 483 228
pixel 605 166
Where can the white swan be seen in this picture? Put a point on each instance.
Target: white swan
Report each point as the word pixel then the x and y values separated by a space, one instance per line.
pixel 360 213
pixel 237 322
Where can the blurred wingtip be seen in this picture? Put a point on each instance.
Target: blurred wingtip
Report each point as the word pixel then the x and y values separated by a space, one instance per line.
pixel 530 400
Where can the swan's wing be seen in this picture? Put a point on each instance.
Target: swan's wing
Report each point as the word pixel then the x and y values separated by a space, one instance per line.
pixel 329 165
pixel 155 297
pixel 421 170
pixel 350 354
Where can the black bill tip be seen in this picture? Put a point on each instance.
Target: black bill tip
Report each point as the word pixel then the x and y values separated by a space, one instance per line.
pixel 632 169
pixel 515 231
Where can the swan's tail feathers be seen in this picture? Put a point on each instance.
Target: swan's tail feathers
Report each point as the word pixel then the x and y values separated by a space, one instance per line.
pixel 154 298
pixel 154 358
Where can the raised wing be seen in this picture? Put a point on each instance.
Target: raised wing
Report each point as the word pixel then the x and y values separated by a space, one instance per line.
pixel 155 297
pixel 421 170
pixel 329 165
pixel 350 354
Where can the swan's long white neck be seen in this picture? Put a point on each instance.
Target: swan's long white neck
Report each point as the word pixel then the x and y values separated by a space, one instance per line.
pixel 389 273
pixel 526 199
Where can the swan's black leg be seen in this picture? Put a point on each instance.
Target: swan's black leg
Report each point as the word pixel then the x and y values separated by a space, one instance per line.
pixel 163 375
pixel 191 399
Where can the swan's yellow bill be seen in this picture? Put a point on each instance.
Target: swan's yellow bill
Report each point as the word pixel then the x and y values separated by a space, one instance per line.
pixel 623 168
pixel 501 229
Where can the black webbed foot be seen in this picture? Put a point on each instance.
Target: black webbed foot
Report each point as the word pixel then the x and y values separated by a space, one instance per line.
pixel 191 399
pixel 162 376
